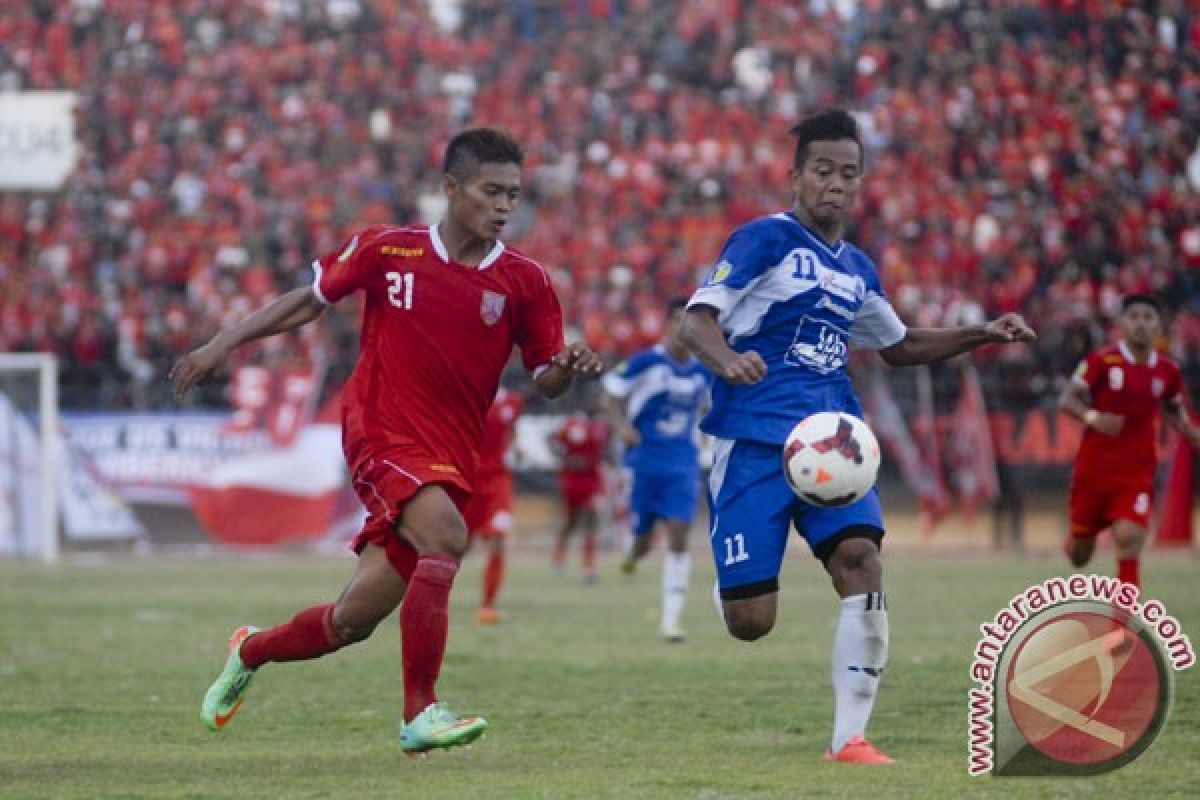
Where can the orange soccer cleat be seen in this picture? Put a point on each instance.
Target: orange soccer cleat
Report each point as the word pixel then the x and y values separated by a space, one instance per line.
pixel 859 751
pixel 488 616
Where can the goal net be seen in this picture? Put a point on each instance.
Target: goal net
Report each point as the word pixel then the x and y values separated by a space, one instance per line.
pixel 28 435
pixel 50 494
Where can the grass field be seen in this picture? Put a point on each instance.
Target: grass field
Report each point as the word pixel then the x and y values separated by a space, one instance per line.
pixel 102 667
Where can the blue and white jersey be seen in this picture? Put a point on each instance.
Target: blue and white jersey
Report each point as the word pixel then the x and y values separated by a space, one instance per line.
pixel 781 291
pixel 664 398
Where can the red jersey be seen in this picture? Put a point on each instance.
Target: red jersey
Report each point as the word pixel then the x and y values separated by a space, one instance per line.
pixel 583 442
pixel 1120 385
pixel 498 431
pixel 435 337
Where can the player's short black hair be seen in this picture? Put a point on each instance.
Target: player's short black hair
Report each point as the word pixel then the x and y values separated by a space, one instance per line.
pixel 1131 300
pixel 830 125
pixel 676 304
pixel 470 148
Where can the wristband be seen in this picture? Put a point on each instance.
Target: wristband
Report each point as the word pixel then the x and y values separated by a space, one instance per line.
pixel 1090 416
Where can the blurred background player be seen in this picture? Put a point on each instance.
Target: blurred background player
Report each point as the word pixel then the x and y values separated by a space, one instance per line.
pixel 444 305
pixel 654 400
pixel 582 444
pixel 1118 392
pixel 489 515
pixel 774 321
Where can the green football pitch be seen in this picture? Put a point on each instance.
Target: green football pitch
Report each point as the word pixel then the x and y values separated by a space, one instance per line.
pixel 102 666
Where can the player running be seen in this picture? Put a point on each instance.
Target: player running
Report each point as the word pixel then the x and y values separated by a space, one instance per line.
pixel 489 516
pixel 443 307
pixel 655 402
pixel 1118 392
pixel 582 443
pixel 774 321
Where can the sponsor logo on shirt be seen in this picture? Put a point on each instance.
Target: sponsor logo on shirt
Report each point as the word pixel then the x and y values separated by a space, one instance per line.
pixel 447 468
pixel 817 346
pixel 402 252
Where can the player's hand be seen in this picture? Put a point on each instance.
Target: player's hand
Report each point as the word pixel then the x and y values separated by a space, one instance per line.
pixel 630 436
pixel 744 369
pixel 197 367
pixel 1010 328
pixel 579 359
pixel 1108 424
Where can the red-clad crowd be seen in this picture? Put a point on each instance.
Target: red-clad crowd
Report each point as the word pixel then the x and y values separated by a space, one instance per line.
pixel 1031 155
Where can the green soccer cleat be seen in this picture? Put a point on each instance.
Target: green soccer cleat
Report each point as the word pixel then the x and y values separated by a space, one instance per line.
pixel 438 726
pixel 225 696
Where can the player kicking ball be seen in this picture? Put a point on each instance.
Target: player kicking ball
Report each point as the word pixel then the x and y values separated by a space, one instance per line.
pixel 1118 393
pixel 654 400
pixel 443 307
pixel 774 321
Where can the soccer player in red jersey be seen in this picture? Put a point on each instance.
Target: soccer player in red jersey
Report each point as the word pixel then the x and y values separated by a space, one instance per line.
pixel 443 307
pixel 1118 393
pixel 581 441
pixel 489 515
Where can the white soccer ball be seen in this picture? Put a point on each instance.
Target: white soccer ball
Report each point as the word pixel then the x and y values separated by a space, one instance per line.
pixel 831 459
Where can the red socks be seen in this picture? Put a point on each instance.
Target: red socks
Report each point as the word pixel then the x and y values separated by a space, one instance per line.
pixel 1127 571
pixel 423 627
pixel 493 574
pixel 309 634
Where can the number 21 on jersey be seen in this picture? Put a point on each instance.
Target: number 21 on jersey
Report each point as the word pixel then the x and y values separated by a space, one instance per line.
pixel 400 289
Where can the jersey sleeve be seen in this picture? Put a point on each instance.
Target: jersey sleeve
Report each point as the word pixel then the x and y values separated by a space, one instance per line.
pixel 539 328
pixel 745 258
pixel 346 270
pixel 619 381
pixel 876 326
pixel 1173 392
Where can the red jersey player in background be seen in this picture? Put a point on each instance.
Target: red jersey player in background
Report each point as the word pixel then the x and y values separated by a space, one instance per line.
pixel 582 443
pixel 489 515
pixel 444 306
pixel 1118 393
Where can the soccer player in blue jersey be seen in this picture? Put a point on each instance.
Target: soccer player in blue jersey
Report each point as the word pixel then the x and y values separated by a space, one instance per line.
pixel 774 321
pixel 655 400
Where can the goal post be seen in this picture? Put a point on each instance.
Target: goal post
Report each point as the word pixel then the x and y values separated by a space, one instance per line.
pixel 29 430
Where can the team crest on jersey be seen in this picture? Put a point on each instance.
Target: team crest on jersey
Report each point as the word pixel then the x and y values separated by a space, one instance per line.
pixel 721 272
pixel 1116 378
pixel 1156 387
pixel 349 251
pixel 492 307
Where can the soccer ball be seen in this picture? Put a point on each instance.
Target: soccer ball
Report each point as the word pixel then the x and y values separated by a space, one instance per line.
pixel 831 459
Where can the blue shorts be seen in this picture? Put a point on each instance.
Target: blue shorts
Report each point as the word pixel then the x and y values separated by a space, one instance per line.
pixel 752 507
pixel 662 495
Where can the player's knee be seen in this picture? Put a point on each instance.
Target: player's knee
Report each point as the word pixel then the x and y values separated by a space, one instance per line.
pixel 747 624
pixel 857 558
pixel 446 534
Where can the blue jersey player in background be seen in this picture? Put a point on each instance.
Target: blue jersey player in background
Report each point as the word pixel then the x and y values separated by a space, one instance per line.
pixel 656 398
pixel 774 321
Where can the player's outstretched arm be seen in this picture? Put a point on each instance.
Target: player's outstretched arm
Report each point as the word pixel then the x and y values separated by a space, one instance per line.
pixel 927 345
pixel 287 312
pixel 703 336
pixel 577 359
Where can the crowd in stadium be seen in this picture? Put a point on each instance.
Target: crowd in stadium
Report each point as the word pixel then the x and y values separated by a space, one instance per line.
pixel 1043 158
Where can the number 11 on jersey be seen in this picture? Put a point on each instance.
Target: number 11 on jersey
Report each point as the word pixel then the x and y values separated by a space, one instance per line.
pixel 735 549
pixel 400 289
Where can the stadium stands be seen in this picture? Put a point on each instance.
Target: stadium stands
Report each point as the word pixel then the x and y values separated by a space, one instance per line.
pixel 1042 157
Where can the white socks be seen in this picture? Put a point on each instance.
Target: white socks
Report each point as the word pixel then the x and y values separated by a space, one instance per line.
pixel 860 650
pixel 676 570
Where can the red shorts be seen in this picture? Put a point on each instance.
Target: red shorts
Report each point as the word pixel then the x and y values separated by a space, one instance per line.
pixel 489 514
pixel 1096 504
pixel 385 482
pixel 580 493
